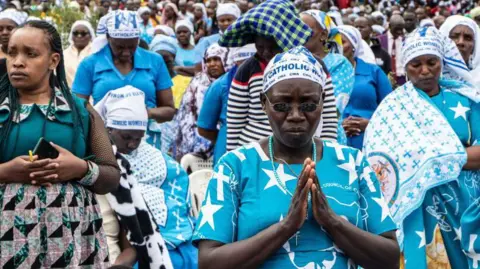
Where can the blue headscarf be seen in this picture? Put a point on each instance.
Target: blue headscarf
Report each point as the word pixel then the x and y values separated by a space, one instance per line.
pixel 163 42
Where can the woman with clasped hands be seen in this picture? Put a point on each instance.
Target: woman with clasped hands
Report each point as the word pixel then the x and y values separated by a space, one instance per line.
pixel 49 217
pixel 291 200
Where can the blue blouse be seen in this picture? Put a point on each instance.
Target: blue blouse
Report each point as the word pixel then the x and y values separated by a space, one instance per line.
pixel 216 111
pixel 370 87
pixel 244 197
pixel 97 75
pixel 187 57
pixel 206 42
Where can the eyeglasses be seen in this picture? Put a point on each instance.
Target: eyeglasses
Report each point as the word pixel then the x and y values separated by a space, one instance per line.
pixel 80 34
pixel 286 107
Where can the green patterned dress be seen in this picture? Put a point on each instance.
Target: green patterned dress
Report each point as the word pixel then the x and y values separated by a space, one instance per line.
pixel 49 227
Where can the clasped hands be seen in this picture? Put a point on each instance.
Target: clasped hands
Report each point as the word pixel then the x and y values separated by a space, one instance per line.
pixel 353 126
pixel 297 214
pixel 47 171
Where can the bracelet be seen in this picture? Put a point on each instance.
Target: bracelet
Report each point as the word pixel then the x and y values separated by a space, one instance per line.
pixel 92 174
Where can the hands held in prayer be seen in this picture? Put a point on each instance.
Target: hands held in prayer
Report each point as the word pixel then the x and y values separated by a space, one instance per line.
pixel 354 125
pixel 322 212
pixel 297 213
pixel 64 168
pixel 308 183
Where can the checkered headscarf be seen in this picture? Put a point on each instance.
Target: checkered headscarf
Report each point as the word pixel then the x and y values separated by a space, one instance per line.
pixel 277 19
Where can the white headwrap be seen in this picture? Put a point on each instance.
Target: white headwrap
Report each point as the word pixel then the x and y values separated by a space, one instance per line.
pixel 336 16
pixel 429 41
pixel 204 10
pixel 295 63
pixel 455 20
pixel 124 109
pixel 81 23
pixel 19 17
pixel 378 29
pixel 185 23
pixel 229 9
pixel 142 10
pixel 362 49
pixel 377 14
pixel 427 23
pixel 244 53
pixel 167 30
pixel 121 24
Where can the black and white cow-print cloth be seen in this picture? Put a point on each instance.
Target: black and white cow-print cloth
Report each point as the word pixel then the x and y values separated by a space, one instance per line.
pixel 134 215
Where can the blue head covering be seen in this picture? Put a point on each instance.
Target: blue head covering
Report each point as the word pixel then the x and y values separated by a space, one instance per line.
pixel 163 42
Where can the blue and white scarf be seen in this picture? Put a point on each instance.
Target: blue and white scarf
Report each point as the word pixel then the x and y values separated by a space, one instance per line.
pixel 409 142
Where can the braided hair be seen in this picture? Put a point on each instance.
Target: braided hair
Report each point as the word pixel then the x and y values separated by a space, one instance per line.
pixel 57 81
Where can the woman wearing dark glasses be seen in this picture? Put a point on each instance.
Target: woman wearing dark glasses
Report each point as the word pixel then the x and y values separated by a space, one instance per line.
pixel 80 39
pixel 292 200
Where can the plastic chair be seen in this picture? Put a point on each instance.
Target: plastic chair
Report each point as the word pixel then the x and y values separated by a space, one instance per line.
pixel 198 186
pixel 192 163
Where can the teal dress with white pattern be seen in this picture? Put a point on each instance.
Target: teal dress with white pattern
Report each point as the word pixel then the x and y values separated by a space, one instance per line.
pixel 244 198
pixel 442 225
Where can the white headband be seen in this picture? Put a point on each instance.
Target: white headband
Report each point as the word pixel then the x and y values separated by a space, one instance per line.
pixel 295 63
pixel 228 9
pixel 244 52
pixel 124 109
pixel 19 17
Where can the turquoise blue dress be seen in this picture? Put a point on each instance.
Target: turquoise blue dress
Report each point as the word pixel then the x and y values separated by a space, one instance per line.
pixel 443 218
pixel 343 77
pixel 244 198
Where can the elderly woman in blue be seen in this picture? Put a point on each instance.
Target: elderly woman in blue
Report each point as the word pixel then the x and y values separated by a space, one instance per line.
pixel 371 86
pixel 328 212
pixel 118 62
pixel 326 43
pixel 423 142
pixel 162 184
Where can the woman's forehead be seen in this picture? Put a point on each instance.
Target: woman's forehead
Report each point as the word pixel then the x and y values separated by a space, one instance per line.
pixel 294 87
pixel 425 57
pixel 32 37
pixel 80 27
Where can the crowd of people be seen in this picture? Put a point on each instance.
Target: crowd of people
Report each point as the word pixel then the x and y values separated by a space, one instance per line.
pixel 340 134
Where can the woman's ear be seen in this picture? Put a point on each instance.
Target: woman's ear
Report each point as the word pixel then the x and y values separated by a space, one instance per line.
pixel 263 101
pixel 54 60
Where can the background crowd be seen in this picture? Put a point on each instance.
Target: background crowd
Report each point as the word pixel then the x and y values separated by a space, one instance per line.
pixel 135 95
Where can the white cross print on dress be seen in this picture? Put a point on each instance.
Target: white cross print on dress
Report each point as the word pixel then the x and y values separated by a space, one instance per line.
pixel 220 179
pixel 176 214
pixel 174 186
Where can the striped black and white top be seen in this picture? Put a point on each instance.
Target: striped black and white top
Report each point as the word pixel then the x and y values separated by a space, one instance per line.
pixel 247 122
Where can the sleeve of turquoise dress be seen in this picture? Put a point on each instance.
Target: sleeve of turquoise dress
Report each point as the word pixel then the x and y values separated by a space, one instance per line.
pixel 219 213
pixel 470 221
pixel 475 123
pixel 374 208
